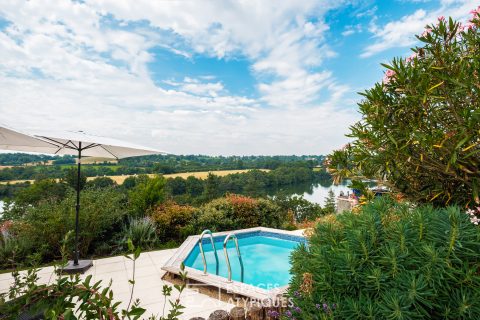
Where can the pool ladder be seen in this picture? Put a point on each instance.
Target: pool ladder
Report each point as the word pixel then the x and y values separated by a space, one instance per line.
pixel 225 242
pixel 200 244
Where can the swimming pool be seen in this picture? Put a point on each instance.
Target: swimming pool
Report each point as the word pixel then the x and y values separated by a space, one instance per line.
pixel 265 254
pixel 265 257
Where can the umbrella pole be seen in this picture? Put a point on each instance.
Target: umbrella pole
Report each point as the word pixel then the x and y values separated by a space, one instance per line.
pixel 77 207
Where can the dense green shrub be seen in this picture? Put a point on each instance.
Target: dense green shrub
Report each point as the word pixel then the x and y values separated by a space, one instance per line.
pixel 389 261
pixel 301 208
pixel 146 194
pixel 101 182
pixel 173 221
pixel 44 225
pixel 237 212
pixel 71 178
pixel 420 128
pixel 41 190
pixel 12 248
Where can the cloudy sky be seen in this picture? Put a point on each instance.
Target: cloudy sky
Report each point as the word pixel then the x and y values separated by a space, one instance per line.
pixel 203 77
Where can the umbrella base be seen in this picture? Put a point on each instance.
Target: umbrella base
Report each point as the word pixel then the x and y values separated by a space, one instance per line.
pixel 81 267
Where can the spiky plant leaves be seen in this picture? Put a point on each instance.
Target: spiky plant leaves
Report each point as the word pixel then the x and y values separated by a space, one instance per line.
pixel 391 261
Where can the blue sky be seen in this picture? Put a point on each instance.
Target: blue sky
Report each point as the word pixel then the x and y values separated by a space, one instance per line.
pixel 211 77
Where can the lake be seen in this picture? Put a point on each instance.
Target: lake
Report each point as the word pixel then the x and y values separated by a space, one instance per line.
pixel 319 191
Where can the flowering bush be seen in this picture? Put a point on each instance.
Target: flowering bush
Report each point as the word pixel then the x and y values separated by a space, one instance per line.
pixel 474 215
pixel 389 261
pixel 239 212
pixel 172 220
pixel 420 127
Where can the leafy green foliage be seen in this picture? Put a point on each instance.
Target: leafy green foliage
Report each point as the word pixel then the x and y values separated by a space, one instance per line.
pixel 12 249
pixel 254 183
pixel 173 221
pixel 71 298
pixel 8 191
pixel 301 209
pixel 330 202
pixel 238 212
pixel 389 261
pixel 43 213
pixel 42 227
pixel 141 231
pixel 146 194
pixel 41 190
pixel 420 127
pixel 71 178
pixel 101 182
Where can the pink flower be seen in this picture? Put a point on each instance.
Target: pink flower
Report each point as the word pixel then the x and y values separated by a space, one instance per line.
pixel 475 11
pixel 412 57
pixel 389 75
pixel 473 215
pixel 426 32
pixel 470 26
pixel 441 18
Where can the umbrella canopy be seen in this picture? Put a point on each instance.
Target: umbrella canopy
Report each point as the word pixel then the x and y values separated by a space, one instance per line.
pixel 15 140
pixel 72 143
pixel 68 143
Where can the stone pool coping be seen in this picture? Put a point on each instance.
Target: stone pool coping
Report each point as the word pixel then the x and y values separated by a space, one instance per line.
pixel 233 287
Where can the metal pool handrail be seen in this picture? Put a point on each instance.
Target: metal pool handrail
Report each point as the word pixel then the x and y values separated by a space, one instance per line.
pixel 200 244
pixel 234 237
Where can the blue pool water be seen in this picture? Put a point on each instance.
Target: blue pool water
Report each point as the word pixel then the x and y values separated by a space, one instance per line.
pixel 266 258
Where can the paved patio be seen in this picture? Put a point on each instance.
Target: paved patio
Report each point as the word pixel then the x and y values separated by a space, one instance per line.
pixel 148 284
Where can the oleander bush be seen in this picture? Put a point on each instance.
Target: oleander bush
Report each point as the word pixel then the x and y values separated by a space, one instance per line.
pixel 420 127
pixel 389 261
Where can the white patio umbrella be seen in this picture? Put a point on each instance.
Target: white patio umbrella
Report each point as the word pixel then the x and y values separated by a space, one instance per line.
pixel 72 143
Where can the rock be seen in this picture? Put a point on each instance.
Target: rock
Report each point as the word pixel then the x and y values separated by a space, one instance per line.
pixel 255 311
pixel 219 315
pixel 237 313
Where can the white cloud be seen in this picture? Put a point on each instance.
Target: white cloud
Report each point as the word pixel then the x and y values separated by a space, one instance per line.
pixel 352 29
pixel 348 32
pixel 275 35
pixel 84 65
pixel 401 33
